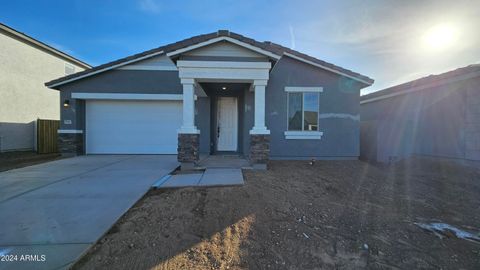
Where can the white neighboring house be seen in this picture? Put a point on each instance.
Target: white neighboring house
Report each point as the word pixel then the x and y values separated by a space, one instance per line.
pixel 25 65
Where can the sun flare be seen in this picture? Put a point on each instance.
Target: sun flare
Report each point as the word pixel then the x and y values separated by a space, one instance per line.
pixel 440 37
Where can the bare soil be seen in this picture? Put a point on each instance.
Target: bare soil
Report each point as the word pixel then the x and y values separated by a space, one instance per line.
pixel 332 215
pixel 20 159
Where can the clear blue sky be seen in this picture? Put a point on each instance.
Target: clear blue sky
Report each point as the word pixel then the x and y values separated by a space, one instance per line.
pixel 388 40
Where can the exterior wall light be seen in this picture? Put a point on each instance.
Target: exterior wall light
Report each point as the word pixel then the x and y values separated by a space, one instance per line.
pixel 66 103
pixel 224 88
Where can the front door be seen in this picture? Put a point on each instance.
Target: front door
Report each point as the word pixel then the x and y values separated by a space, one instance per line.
pixel 227 124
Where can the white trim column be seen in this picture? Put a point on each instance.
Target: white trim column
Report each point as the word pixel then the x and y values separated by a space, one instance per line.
pixel 259 111
pixel 188 125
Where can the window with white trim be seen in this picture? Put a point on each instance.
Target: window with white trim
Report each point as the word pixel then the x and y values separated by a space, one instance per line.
pixel 303 110
pixel 303 104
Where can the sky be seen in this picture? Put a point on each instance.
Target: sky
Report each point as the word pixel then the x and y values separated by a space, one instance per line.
pixel 391 41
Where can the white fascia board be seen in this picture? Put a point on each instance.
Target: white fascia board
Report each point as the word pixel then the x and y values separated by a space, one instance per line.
pixel 70 131
pixel 259 132
pixel 326 68
pixel 117 96
pixel 303 89
pixel 224 74
pixel 392 95
pixel 223 64
pixel 107 68
pixel 142 67
pixel 227 70
pixel 229 39
pixel 303 135
pixel 192 130
pixel 418 88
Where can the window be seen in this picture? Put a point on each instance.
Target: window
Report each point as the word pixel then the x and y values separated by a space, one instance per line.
pixel 303 111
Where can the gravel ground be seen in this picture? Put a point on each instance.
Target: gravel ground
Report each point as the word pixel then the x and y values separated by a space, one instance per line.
pixel 332 215
pixel 15 160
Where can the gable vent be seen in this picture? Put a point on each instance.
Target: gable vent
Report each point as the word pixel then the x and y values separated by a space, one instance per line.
pixel 69 69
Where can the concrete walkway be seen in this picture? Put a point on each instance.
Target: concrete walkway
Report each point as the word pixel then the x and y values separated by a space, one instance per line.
pixel 61 208
pixel 224 161
pixel 210 178
pixel 219 170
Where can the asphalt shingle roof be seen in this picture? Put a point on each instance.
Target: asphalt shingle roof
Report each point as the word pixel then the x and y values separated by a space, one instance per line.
pixel 430 81
pixel 267 46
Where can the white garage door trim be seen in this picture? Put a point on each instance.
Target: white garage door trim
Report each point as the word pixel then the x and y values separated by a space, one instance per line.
pixel 127 96
pixel 132 127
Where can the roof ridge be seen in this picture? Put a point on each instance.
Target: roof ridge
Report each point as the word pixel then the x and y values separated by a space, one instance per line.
pixel 268 46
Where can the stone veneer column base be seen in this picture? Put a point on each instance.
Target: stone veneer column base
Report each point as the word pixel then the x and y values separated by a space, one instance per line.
pixel 188 146
pixel 70 144
pixel 259 150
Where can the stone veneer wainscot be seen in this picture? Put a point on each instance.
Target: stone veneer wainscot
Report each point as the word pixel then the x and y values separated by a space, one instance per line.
pixel 188 148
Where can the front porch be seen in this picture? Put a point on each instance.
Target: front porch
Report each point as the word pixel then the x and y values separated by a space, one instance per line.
pixel 235 94
pixel 224 161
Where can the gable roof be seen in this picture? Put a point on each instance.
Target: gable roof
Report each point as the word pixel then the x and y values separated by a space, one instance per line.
pixel 268 48
pixel 42 46
pixel 424 83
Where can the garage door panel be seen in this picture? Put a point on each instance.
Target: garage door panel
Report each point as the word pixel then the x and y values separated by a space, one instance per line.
pixel 132 127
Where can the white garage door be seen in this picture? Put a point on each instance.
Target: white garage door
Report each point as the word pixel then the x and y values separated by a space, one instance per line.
pixel 132 127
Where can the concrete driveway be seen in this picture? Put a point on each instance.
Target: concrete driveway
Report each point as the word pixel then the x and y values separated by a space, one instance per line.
pixel 61 208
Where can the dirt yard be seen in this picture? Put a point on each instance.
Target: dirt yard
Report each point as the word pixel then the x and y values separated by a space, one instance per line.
pixel 332 215
pixel 15 160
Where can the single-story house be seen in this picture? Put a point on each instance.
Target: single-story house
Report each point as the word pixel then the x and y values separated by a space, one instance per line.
pixel 215 93
pixel 437 116
pixel 25 65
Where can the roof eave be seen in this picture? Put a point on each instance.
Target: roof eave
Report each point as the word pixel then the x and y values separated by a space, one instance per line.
pixel 53 84
pixel 367 81
pixel 367 99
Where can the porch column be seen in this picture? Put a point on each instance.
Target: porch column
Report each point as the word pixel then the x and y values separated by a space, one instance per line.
pixel 259 134
pixel 259 125
pixel 188 125
pixel 188 134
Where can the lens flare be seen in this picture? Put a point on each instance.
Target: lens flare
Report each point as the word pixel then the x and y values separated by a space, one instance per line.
pixel 440 37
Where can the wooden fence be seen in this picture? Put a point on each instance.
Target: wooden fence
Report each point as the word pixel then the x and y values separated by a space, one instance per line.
pixel 47 136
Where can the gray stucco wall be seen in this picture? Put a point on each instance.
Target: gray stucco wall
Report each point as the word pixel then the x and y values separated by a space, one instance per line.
pixel 129 81
pixel 430 122
pixel 202 121
pixel 17 136
pixel 115 81
pixel 368 140
pixel 24 68
pixel 339 107
pixel 472 120
pixel 248 119
pixel 339 112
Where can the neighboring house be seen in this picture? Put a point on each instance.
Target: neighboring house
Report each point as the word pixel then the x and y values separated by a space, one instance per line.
pixel 219 92
pixel 435 116
pixel 25 65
